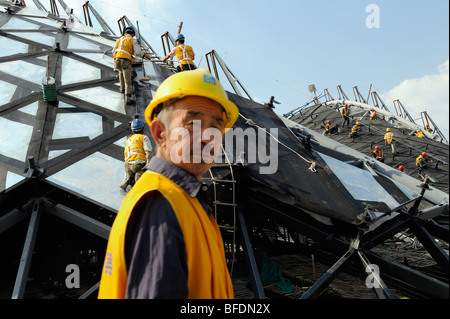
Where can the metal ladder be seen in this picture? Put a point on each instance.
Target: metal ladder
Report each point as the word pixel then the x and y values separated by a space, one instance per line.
pixel 229 207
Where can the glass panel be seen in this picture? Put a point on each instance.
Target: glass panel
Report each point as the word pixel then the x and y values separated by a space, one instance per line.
pixel 69 125
pixel 96 177
pixel 359 182
pixel 14 47
pixel 30 109
pixel 38 37
pixel 111 100
pixel 28 71
pixel 74 71
pixel 6 92
pixel 15 138
pixel 12 179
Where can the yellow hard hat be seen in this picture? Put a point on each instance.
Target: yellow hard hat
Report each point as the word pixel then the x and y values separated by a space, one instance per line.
pixel 198 82
pixel 388 130
pixel 357 123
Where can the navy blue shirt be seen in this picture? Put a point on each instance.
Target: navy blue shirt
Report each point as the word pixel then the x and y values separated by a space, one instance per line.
pixel 155 251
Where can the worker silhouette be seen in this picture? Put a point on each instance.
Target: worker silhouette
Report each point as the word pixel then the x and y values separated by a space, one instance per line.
pixel 137 153
pixel 184 53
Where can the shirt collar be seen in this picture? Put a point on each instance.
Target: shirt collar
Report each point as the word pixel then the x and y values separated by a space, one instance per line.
pixel 179 176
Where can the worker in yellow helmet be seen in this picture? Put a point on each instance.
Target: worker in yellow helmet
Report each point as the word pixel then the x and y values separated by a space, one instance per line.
pixel 356 130
pixel 389 139
pixel 184 53
pixel 164 242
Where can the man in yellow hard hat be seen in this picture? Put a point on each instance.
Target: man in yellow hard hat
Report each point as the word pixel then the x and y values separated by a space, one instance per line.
pixel 164 242
pixel 389 139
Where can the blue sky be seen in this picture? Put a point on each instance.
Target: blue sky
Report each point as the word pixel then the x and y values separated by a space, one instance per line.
pixel 278 48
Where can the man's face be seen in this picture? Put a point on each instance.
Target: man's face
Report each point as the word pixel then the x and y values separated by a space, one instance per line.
pixel 194 135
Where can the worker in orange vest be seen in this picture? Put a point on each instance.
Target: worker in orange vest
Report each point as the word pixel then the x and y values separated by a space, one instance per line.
pixel 165 242
pixel 184 53
pixel 138 152
pixel 126 47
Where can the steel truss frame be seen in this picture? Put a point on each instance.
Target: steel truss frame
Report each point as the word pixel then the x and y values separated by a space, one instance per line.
pixel 359 250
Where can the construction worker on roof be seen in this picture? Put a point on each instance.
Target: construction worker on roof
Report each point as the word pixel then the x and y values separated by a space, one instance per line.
pixel 422 161
pixel 419 134
pixel 329 129
pixel 184 53
pixel 356 129
pixel 401 168
pixel 346 115
pixel 389 139
pixel 126 46
pixel 374 115
pixel 138 152
pixel 164 242
pixel 378 154
pixel 428 128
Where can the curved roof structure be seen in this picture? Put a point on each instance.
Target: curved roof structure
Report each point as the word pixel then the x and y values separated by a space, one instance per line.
pixel 279 183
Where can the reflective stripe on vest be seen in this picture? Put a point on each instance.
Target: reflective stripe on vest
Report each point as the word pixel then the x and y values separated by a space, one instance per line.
pixel 184 54
pixel 208 273
pixel 124 48
pixel 135 148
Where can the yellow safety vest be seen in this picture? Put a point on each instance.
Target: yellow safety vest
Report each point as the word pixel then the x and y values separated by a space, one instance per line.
pixel 185 54
pixel 345 112
pixel 420 161
pixel 389 136
pixel 124 48
pixel 378 154
pixel 134 149
pixel 419 134
pixel 208 273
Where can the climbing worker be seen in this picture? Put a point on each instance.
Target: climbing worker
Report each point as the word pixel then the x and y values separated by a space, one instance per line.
pixel 374 115
pixel 126 46
pixel 422 161
pixel 164 242
pixel 378 154
pixel 138 152
pixel 401 168
pixel 389 139
pixel 356 129
pixel 346 115
pixel 329 129
pixel 184 53
pixel 428 128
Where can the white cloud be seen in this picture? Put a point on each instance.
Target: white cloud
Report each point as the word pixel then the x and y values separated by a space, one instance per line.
pixel 429 93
